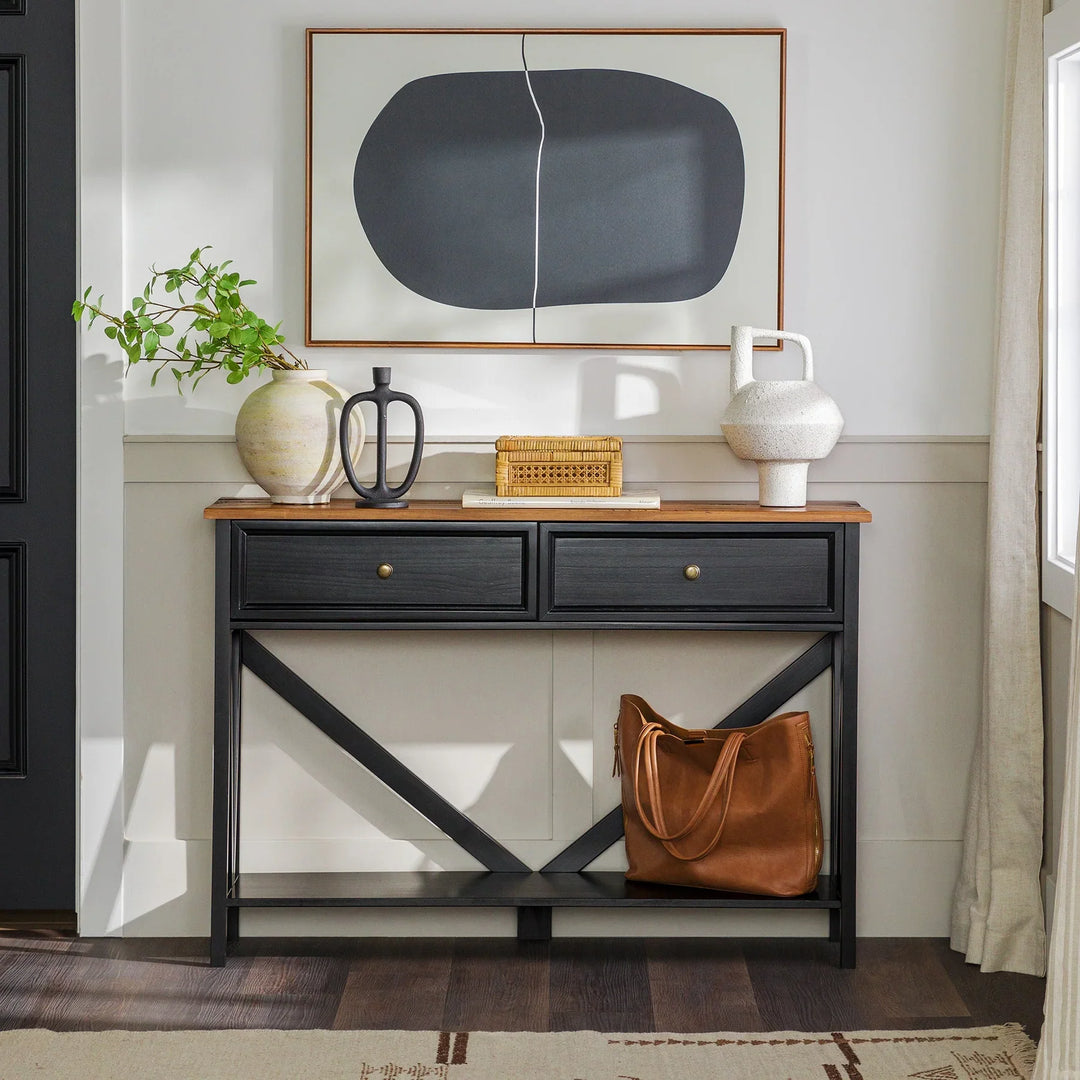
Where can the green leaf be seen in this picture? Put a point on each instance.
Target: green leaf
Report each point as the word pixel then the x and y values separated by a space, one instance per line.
pixel 111 332
pixel 153 378
pixel 236 337
pixel 86 295
pixel 178 373
pixel 171 285
pixel 77 310
pixel 219 329
pixel 150 343
pixel 246 281
pixel 144 322
pixel 164 329
pixel 234 377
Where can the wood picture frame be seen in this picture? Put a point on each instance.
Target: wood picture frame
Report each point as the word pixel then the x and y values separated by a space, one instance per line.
pixel 515 189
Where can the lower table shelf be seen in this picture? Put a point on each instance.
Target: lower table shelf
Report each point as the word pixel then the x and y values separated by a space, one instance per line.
pixel 449 888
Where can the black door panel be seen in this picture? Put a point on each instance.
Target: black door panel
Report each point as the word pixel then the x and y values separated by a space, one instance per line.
pixel 37 455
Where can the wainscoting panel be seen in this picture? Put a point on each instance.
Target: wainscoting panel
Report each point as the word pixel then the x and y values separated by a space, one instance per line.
pixel 516 727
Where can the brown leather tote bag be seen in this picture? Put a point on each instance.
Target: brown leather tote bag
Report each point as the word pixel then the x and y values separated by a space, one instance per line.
pixel 732 809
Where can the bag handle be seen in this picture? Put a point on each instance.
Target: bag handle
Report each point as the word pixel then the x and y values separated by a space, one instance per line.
pixel 721 782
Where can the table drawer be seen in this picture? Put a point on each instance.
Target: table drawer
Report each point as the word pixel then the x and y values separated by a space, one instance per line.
pixel 695 573
pixel 387 572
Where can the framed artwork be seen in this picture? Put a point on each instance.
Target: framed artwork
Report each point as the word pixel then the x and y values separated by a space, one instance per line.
pixel 544 188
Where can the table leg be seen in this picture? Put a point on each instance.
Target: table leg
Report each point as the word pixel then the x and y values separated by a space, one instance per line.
pixel 534 924
pixel 846 777
pixel 223 858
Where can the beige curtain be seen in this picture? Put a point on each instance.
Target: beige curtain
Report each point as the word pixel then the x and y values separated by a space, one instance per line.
pixel 1059 1048
pixel 997 908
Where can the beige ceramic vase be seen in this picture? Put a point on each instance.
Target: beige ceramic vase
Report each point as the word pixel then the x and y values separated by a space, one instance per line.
pixel 287 435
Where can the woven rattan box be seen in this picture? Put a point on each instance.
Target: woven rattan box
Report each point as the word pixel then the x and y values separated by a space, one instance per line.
pixel 533 465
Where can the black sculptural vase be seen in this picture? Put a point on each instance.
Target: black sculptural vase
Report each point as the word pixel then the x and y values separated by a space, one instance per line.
pixel 382 395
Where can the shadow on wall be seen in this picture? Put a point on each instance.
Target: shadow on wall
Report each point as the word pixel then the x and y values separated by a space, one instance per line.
pixel 505 763
pixel 626 397
pixel 100 629
pixel 190 888
pixel 158 414
pixel 103 383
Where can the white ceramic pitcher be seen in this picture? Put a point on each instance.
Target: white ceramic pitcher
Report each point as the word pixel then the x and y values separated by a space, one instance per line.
pixel 782 424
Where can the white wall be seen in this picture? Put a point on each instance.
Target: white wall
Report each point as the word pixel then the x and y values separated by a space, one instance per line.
pixel 893 146
pixel 893 125
pixel 100 481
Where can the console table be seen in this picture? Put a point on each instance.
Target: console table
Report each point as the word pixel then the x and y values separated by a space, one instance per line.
pixel 685 566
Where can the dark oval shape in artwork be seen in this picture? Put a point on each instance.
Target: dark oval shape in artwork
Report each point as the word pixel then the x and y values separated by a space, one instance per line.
pixel 641 188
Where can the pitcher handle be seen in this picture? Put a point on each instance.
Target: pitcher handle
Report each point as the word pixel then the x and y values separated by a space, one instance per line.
pixel 804 343
pixel 742 353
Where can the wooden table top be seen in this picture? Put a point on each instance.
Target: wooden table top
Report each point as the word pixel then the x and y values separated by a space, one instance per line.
pixel 448 510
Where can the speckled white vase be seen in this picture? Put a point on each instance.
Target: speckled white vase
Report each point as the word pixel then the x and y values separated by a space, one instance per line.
pixel 782 424
pixel 287 435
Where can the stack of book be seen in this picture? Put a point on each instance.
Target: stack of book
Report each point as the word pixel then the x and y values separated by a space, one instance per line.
pixel 560 471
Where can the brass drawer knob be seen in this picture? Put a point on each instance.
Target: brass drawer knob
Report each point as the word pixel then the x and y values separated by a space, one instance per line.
pixel 691 572
pixel 384 570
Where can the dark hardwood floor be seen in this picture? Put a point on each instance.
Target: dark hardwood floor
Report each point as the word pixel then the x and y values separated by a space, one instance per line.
pixel 56 981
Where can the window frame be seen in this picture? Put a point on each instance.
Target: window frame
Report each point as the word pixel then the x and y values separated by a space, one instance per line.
pixel 1061 358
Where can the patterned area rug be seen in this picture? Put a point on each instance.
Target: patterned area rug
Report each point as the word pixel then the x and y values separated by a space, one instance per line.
pixel 994 1053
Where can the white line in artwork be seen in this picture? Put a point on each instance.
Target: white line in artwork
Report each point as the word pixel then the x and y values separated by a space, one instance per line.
pixel 536 215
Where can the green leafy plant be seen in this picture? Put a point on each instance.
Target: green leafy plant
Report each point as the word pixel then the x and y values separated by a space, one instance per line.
pixel 214 331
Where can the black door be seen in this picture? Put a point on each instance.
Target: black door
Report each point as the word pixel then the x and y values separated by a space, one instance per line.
pixel 37 455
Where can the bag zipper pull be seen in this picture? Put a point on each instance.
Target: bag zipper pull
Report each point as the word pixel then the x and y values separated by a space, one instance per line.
pixel 616 767
pixel 810 749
